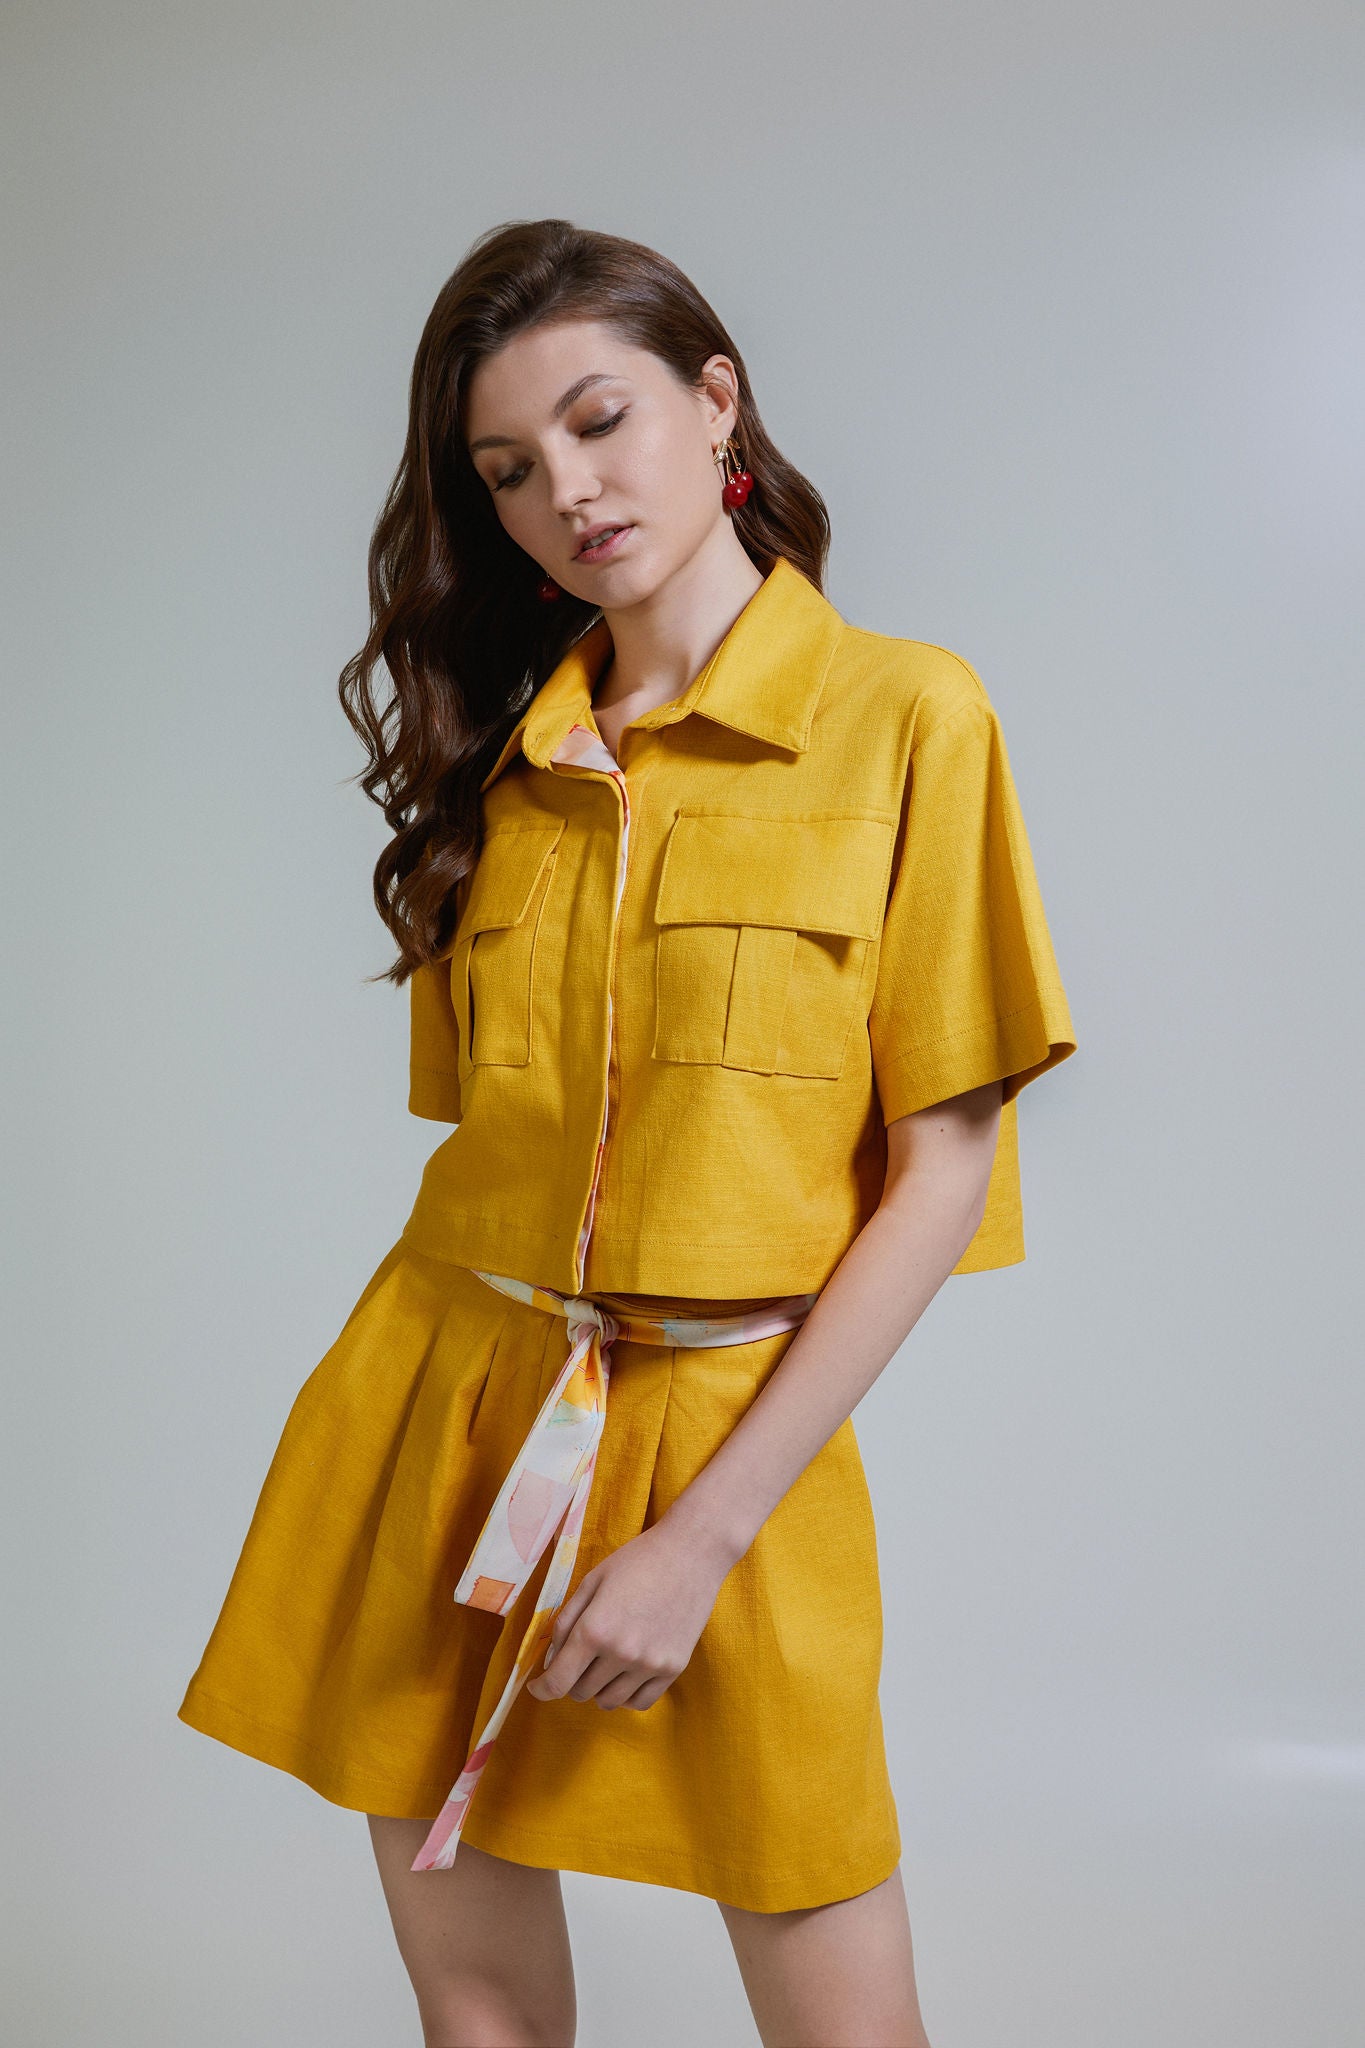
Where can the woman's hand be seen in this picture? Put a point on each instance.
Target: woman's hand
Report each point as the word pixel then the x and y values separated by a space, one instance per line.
pixel 631 1624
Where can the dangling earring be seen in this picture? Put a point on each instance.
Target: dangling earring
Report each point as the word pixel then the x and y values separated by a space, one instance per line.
pixel 548 590
pixel 738 482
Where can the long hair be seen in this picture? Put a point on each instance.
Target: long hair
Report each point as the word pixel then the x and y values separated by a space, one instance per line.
pixel 455 616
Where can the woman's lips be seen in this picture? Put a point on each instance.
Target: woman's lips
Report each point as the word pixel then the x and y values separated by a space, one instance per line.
pixel 606 548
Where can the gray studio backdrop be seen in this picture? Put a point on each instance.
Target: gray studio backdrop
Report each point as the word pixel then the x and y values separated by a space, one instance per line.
pixel 1061 308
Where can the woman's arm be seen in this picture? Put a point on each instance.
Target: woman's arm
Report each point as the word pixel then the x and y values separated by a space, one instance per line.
pixel 938 1164
pixel 643 1607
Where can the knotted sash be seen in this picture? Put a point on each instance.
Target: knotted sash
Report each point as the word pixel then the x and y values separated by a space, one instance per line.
pixel 548 1486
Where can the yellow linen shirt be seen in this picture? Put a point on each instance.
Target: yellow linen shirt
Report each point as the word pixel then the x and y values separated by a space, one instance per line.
pixel 830 918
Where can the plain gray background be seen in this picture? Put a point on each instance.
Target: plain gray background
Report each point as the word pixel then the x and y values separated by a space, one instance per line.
pixel 1061 309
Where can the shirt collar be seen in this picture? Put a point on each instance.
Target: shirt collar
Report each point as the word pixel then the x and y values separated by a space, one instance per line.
pixel 764 679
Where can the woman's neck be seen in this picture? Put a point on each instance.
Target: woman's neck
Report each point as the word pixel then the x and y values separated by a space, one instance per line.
pixel 660 645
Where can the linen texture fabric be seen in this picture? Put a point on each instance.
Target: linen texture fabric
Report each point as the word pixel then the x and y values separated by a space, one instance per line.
pixel 546 1491
pixel 685 993
pixel 340 1656
pixel 830 918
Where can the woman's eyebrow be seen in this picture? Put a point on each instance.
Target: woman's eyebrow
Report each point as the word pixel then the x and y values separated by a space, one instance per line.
pixel 561 406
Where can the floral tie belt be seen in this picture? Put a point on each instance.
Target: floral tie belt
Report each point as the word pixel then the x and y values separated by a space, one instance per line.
pixel 547 1489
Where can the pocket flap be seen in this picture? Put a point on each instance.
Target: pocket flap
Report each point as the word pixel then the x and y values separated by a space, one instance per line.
pixel 821 873
pixel 509 866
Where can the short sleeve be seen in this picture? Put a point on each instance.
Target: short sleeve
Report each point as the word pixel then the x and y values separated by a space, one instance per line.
pixel 968 989
pixel 434 1044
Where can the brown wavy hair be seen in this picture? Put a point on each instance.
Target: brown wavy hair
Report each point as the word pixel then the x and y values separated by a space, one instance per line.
pixel 455 615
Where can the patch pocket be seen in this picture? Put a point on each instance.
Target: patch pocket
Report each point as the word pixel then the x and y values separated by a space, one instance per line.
pixel 766 926
pixel 493 959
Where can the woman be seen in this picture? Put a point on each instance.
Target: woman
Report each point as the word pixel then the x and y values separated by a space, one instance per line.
pixel 727 961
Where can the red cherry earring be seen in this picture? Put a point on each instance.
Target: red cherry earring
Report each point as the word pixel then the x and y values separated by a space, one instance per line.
pixel 738 482
pixel 547 590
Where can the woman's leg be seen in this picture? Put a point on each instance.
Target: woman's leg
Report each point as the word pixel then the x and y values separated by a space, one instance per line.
pixel 485 1943
pixel 836 1976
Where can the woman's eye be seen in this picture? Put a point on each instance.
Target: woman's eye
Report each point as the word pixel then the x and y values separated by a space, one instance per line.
pixel 514 477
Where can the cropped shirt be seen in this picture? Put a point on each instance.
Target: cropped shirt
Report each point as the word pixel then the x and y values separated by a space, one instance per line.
pixel 829 918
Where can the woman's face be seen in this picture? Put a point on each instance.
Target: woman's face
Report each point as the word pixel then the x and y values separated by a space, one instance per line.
pixel 573 429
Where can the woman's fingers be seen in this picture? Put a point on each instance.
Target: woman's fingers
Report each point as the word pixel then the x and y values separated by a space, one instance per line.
pixel 627 1685
pixel 649 1693
pixel 645 1695
pixel 585 1668
pixel 561 1676
pixel 598 1671
pixel 628 1628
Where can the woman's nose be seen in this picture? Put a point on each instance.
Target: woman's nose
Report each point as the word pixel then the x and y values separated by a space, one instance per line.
pixel 571 479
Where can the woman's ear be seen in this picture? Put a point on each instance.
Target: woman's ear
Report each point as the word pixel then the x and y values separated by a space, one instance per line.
pixel 720 395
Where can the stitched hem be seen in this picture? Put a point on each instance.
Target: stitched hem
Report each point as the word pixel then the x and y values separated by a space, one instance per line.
pixel 1015 1046
pixel 365 1791
pixel 712 1244
pixel 747 1886
pixel 478 1220
pixel 553 1241
pixel 1036 1005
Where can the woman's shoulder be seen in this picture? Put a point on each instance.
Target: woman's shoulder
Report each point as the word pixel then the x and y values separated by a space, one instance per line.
pixel 922 682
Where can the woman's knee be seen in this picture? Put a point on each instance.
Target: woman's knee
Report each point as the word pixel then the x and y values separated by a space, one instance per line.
pixel 485 1943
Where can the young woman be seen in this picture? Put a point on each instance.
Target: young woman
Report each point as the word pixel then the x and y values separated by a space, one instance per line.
pixel 727 961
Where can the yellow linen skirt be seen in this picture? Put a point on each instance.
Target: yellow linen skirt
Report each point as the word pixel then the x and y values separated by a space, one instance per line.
pixel 340 1655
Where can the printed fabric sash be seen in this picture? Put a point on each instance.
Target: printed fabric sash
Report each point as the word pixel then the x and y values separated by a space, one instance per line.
pixel 547 1489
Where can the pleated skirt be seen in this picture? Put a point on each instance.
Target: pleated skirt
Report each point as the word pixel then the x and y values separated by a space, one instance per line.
pixel 758 1778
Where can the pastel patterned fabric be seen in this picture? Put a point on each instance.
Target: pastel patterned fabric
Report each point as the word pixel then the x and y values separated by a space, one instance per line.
pixel 548 1487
